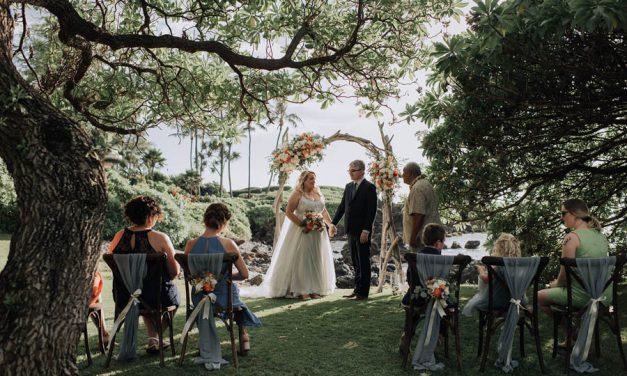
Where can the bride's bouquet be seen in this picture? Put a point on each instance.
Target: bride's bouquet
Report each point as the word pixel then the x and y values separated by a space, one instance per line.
pixel 312 221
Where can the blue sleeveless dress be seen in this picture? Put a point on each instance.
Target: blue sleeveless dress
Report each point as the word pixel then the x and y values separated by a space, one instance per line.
pixel 212 245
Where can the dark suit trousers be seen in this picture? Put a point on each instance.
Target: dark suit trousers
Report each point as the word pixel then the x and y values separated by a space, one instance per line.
pixel 360 256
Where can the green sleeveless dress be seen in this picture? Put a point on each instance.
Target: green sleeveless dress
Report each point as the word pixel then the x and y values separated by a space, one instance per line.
pixel 592 244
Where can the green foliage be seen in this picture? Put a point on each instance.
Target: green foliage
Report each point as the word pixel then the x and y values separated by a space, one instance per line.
pixel 261 217
pixel 527 110
pixel 239 225
pixel 189 181
pixel 210 189
pixel 120 191
pixel 8 205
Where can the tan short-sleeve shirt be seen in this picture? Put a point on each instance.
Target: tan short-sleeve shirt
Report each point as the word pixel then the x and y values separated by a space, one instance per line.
pixel 422 199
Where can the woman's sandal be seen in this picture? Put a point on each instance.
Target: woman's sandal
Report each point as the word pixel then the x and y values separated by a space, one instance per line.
pixel 153 345
pixel 315 296
pixel 305 297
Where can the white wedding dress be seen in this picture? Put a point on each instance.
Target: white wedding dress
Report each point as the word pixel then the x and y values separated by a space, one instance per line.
pixel 302 263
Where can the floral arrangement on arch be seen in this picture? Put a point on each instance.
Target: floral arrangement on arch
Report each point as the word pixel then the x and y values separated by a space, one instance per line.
pixel 301 151
pixel 385 173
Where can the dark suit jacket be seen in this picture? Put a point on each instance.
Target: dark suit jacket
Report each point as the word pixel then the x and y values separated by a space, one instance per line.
pixel 359 212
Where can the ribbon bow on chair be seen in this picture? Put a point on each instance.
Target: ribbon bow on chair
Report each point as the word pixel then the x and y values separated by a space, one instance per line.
pixel 206 305
pixel 134 299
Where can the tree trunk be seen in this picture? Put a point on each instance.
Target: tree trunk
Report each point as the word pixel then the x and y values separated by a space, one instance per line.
pixel 276 146
pixel 221 168
pixel 61 199
pixel 250 140
pixel 229 169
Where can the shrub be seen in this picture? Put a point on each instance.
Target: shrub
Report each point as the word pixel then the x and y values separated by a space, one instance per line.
pixel 239 226
pixel 120 191
pixel 8 205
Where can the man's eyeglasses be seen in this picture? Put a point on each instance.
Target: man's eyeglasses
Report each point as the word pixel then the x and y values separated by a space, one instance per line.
pixel 353 170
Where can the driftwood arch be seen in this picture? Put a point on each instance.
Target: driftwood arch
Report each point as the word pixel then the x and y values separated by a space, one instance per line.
pixel 389 247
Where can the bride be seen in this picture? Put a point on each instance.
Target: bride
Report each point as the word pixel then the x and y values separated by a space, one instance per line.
pixel 302 263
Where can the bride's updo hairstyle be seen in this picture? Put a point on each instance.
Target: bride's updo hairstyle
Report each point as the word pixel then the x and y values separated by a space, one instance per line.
pixel 216 215
pixel 579 209
pixel 300 186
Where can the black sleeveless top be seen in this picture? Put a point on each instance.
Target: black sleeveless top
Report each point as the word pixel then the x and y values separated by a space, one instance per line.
pixel 169 292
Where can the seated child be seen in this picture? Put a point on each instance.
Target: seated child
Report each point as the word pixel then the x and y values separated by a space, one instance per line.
pixel 505 246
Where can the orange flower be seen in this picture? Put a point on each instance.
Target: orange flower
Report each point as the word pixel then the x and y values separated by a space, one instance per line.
pixel 437 292
pixel 207 287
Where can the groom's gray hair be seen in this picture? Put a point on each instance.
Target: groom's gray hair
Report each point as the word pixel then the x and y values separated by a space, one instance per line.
pixel 358 164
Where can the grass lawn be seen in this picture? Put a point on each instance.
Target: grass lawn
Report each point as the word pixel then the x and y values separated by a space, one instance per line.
pixel 331 336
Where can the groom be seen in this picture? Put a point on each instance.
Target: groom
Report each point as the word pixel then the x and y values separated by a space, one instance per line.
pixel 359 207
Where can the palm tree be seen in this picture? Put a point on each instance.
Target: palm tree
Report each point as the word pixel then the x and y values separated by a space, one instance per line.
pixel 152 159
pixel 190 181
pixel 230 156
pixel 249 129
pixel 280 114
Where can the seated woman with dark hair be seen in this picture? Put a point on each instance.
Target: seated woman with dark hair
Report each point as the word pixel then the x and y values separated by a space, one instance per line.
pixel 216 218
pixel 144 213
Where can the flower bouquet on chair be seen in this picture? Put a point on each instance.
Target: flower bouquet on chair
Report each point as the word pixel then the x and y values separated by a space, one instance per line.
pixel 313 221
pixel 438 289
pixel 205 284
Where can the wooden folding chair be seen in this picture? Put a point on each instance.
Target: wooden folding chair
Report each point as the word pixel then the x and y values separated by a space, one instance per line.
pixel 570 313
pixel 414 313
pixel 156 313
pixel 492 318
pixel 228 260
pixel 94 312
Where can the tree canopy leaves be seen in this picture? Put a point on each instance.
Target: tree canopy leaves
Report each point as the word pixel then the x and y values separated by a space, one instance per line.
pixel 529 108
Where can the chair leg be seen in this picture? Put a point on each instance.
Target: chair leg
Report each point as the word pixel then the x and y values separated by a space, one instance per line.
pixel 486 348
pixel 184 346
pixel 446 325
pixel 170 316
pixel 556 321
pixel 618 339
pixel 481 325
pixel 521 329
pixel 406 337
pixel 458 345
pixel 231 329
pixel 536 335
pixel 111 346
pixel 97 318
pixel 569 323
pixel 87 351
pixel 596 339
pixel 160 333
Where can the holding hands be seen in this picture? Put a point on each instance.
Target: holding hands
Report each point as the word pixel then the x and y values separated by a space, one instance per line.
pixel 332 230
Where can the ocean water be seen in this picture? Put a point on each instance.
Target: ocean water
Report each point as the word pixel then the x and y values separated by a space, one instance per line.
pixel 476 254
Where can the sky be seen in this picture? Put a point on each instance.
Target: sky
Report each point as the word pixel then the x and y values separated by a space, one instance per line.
pixel 332 170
